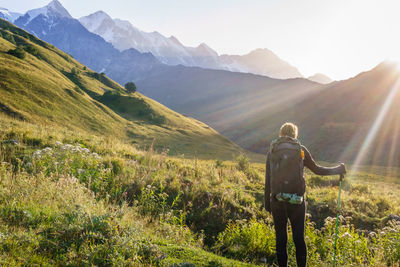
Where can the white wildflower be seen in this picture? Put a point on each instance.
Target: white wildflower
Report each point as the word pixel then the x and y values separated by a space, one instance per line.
pixel 347 234
pixel 58 143
pixel 67 147
pixel 95 155
pixel 372 234
pixel 37 154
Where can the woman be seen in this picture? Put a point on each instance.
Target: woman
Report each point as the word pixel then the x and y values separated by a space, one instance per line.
pixel 285 188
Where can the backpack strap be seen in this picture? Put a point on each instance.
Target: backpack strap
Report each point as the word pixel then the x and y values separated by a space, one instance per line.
pixel 272 145
pixel 284 139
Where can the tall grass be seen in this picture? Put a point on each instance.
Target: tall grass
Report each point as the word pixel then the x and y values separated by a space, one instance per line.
pixel 70 198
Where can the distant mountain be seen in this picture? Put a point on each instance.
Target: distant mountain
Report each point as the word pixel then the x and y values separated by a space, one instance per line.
pixel 320 78
pixel 123 35
pixel 53 10
pixel 49 87
pixel 8 15
pixel 46 21
pixel 262 62
pixel 55 25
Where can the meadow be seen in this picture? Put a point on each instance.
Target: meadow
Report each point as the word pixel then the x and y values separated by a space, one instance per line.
pixel 73 198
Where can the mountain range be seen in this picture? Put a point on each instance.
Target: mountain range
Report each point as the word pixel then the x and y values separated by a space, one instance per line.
pixel 123 35
pixel 9 15
pixel 168 50
pixel 55 25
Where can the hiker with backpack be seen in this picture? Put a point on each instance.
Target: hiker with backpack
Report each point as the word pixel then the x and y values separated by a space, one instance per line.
pixel 285 187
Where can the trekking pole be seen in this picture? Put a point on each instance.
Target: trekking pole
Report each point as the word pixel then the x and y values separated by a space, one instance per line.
pixel 337 218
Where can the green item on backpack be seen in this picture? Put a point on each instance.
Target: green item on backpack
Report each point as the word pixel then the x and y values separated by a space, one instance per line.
pixel 290 198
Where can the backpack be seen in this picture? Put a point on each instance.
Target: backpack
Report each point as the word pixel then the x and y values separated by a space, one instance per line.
pixel 286 165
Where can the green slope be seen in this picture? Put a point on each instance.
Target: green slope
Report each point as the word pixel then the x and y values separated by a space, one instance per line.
pixel 50 87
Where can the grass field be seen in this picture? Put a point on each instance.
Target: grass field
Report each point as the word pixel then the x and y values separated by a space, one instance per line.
pixel 74 199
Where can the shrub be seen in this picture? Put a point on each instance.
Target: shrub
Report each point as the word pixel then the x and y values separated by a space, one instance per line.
pixel 9 37
pixel 18 52
pixel 255 240
pixel 243 163
pixel 130 87
pixel 75 71
pixel 32 50
pixel 110 96
pixel 247 241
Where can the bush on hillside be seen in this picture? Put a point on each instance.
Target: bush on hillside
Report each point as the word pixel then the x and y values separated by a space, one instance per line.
pixel 111 95
pixel 101 77
pixel 32 50
pixel 18 52
pixel 243 163
pixel 130 87
pixel 9 37
pixel 75 71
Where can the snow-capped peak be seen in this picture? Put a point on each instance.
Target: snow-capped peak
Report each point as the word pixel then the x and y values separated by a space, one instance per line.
pixel 93 21
pixel 5 11
pixel 53 9
pixel 8 15
pixel 124 24
pixel 99 15
pixel 204 50
pixel 175 40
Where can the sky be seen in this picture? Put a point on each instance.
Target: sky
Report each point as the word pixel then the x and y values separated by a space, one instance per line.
pixel 339 38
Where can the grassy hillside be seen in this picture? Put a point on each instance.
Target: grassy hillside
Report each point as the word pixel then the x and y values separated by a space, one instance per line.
pixel 67 198
pixel 49 87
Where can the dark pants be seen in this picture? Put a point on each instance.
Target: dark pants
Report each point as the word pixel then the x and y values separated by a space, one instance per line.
pixel 281 212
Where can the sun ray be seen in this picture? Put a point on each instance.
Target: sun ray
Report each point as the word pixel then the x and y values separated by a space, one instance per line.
pixel 376 126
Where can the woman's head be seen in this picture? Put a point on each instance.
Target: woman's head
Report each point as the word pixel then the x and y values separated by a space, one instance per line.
pixel 289 129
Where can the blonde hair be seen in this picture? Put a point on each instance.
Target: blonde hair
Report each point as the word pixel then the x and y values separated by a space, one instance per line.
pixel 289 129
